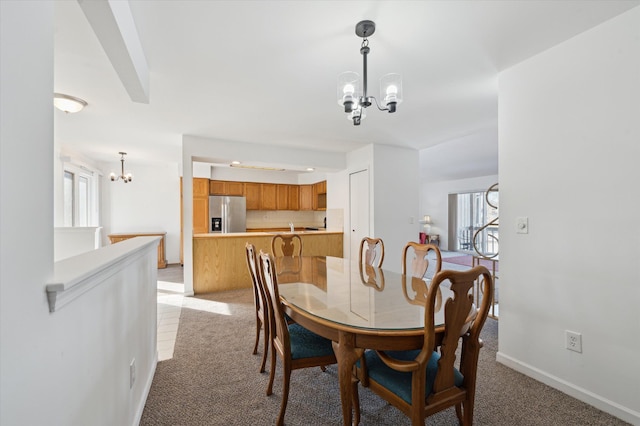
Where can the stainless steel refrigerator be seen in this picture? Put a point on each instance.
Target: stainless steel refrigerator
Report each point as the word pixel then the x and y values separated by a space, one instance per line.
pixel 227 214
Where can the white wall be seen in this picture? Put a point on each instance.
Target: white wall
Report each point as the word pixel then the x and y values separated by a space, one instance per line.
pixel 393 175
pixel 59 368
pixel 149 203
pixel 395 200
pixel 72 241
pixel 434 201
pixel 569 149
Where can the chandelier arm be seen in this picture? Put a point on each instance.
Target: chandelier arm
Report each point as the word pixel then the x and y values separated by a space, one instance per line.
pixel 378 105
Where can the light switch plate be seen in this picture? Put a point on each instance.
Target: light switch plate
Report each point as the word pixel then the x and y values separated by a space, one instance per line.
pixel 522 225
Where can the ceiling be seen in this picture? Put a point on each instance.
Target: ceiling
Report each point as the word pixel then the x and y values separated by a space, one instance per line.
pixel 265 72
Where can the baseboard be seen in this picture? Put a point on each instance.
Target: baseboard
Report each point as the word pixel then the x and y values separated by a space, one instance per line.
pixel 613 408
pixel 145 392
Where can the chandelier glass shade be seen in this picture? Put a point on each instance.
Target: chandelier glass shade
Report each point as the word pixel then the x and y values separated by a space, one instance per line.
pixel 125 177
pixel 352 90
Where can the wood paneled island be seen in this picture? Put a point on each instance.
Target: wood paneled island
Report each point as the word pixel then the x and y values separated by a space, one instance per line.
pixel 219 261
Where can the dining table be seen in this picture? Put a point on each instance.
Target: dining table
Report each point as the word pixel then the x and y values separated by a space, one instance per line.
pixel 357 307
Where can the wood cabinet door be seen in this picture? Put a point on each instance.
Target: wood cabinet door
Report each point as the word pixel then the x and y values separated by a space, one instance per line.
pixel 269 196
pixel 321 187
pixel 294 197
pixel 252 192
pixel 201 215
pixel 282 197
pixel 234 188
pixel 306 197
pixel 200 187
pixel 216 187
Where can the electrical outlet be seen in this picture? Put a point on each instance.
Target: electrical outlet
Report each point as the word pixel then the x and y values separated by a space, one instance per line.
pixel 132 373
pixel 573 341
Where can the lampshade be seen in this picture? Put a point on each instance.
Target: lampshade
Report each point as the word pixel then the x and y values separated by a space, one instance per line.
pixel 348 90
pixel 68 103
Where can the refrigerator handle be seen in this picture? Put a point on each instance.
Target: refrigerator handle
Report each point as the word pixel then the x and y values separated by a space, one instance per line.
pixel 225 218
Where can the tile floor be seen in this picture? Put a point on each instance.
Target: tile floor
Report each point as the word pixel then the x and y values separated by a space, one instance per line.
pixel 170 299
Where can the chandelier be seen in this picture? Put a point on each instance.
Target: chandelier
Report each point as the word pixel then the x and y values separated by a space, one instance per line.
pixel 356 100
pixel 125 178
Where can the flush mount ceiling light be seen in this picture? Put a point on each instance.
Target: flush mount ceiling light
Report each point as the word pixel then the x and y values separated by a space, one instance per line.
pixel 68 103
pixel 125 178
pixel 349 94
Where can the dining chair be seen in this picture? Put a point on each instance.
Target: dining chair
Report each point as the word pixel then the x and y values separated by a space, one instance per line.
pixel 369 249
pixel 260 301
pixel 425 381
pixel 296 346
pixel 421 258
pixel 286 245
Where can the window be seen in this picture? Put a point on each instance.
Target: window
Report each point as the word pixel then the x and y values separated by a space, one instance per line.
pixel 80 197
pixel 472 212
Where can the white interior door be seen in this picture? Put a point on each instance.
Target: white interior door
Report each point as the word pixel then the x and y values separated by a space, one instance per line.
pixel 359 210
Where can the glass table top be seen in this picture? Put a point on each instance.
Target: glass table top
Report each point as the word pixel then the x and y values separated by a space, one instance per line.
pixel 341 291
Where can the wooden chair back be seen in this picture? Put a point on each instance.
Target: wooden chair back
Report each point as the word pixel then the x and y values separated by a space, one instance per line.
pixel 260 302
pixel 279 330
pixel 371 252
pixel 420 260
pixel 286 245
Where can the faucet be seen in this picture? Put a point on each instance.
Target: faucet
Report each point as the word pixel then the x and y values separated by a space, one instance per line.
pixel 291 226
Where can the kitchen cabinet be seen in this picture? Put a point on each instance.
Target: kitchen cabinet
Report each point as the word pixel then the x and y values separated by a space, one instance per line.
pixel 219 263
pixel 284 196
pixel 223 187
pixel 200 187
pixel 320 195
pixel 268 196
pixel 294 197
pixel 321 187
pixel 200 205
pixel 253 194
pixel 200 209
pixel 306 197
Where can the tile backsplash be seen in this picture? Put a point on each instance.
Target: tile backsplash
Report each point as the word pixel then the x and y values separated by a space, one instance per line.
pixel 300 219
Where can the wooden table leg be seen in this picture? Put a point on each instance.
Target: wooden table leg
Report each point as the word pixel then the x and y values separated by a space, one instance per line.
pixel 346 354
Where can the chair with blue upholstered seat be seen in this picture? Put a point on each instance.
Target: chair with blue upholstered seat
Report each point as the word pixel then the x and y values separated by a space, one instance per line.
pixel 423 382
pixel 296 346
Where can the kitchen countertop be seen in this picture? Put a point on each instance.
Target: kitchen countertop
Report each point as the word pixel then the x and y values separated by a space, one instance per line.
pixel 257 234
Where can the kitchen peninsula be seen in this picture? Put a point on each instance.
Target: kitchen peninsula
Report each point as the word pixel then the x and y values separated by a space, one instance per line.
pixel 219 260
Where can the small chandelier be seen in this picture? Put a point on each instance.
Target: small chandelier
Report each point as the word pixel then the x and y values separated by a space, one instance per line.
pixel 349 94
pixel 125 178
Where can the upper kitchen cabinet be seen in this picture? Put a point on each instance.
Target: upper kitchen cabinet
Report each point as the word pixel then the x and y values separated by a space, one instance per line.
pixel 223 187
pixel 282 197
pixel 294 197
pixel 306 197
pixel 269 195
pixel 253 193
pixel 320 199
pixel 200 187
